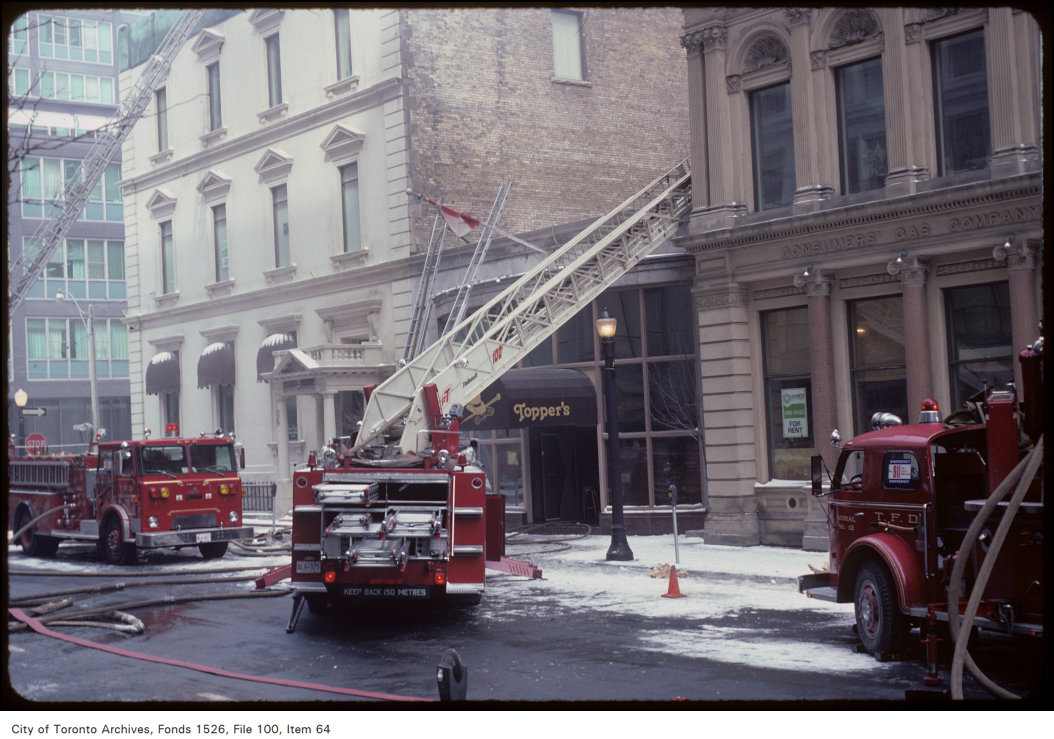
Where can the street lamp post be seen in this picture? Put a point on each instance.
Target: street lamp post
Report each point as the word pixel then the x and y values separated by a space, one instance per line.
pixel 89 326
pixel 21 398
pixel 619 548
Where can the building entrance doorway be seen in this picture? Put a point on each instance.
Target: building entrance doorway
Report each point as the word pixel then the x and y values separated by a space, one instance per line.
pixel 564 474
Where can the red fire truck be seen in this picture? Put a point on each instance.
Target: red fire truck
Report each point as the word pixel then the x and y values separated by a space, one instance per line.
pixel 907 502
pixel 415 531
pixel 130 495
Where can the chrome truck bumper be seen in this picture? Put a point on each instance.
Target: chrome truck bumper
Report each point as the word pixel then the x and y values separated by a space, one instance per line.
pixel 184 537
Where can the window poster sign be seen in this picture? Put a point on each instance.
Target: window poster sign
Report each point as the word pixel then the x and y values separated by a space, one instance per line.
pixel 795 418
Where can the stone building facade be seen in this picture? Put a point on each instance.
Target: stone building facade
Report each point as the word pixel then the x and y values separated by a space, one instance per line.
pixel 867 232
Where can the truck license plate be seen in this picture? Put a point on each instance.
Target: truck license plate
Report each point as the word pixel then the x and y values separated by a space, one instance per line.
pixel 199 538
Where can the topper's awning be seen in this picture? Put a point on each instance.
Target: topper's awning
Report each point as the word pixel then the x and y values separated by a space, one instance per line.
pixel 216 365
pixel 162 374
pixel 265 355
pixel 541 396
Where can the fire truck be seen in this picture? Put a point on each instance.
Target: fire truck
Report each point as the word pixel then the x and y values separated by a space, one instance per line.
pixel 130 495
pixel 917 512
pixel 401 512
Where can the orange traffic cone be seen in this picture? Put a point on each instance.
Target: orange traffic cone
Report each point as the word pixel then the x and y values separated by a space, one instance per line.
pixel 675 589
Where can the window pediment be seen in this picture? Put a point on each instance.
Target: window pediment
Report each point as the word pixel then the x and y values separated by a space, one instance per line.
pixel 273 166
pixel 161 204
pixel 265 20
pixel 214 186
pixel 343 144
pixel 768 51
pixel 208 45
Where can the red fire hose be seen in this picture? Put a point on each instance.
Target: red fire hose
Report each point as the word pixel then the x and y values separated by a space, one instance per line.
pixel 40 628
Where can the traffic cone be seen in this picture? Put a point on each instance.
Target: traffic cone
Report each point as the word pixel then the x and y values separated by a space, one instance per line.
pixel 675 590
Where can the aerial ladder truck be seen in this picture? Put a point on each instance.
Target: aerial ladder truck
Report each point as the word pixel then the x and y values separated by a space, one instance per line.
pixel 404 514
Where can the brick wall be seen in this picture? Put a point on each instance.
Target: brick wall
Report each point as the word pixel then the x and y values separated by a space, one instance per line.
pixel 484 110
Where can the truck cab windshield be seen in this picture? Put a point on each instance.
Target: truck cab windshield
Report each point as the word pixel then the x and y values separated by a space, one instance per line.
pixel 165 460
pixel 212 458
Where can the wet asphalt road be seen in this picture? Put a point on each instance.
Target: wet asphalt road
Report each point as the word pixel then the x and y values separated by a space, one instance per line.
pixel 519 644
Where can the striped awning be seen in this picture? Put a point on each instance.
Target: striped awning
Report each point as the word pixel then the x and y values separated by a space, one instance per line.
pixel 216 365
pixel 265 355
pixel 162 374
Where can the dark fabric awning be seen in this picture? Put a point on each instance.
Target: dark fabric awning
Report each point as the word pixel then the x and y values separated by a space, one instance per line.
pixel 162 374
pixel 265 355
pixel 216 365
pixel 541 396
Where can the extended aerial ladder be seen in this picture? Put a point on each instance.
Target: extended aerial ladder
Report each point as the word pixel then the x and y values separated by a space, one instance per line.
pixel 477 351
pixel 52 231
pixel 430 270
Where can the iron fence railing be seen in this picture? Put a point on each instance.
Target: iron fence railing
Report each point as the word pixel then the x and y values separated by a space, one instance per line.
pixel 259 496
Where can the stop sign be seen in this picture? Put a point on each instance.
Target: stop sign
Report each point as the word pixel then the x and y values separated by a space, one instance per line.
pixel 36 443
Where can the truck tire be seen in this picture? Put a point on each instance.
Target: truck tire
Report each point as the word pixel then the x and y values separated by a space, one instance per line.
pixel 115 549
pixel 34 544
pixel 213 549
pixel 879 623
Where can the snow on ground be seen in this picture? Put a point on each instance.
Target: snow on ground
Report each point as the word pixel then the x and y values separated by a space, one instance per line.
pixel 719 583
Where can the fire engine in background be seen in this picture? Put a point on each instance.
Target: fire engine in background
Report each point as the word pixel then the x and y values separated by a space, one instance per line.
pixel 131 495
pixel 908 509
pixel 403 511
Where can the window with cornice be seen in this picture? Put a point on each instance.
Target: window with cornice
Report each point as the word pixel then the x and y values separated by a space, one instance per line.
pixel 861 125
pixel 349 198
pixel 215 115
pixel 168 259
pixel 772 138
pixel 280 217
pixel 274 71
pixel 219 241
pixel 960 85
pixel 342 23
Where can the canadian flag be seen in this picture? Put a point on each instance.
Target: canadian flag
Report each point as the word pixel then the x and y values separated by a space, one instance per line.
pixel 460 223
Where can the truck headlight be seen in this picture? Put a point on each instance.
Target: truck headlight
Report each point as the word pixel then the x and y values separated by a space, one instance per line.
pixel 233 516
pixel 152 522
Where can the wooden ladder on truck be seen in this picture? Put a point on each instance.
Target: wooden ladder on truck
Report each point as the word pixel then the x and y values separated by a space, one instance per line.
pixel 477 351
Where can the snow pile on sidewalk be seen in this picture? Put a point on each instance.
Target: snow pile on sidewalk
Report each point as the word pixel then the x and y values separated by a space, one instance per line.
pixel 721 585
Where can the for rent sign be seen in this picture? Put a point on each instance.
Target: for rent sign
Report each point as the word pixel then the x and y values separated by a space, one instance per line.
pixel 795 415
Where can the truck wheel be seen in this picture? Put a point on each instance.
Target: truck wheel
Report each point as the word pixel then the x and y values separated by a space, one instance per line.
pixel 34 544
pixel 879 623
pixel 115 549
pixel 213 549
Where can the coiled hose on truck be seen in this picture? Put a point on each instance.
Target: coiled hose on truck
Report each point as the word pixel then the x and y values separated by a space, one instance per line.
pixel 1025 472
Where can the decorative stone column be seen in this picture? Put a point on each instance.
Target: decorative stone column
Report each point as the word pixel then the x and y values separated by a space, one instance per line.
pixel 728 415
pixel 817 284
pixel 329 417
pixel 907 137
pixel 693 45
pixel 913 273
pixel 1012 80
pixel 283 501
pixel 1021 259
pixel 807 113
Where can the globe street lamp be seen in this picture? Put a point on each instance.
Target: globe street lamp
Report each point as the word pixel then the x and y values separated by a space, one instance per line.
pixel 89 326
pixel 619 548
pixel 21 398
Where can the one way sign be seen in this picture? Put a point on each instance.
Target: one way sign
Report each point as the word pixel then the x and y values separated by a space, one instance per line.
pixel 34 411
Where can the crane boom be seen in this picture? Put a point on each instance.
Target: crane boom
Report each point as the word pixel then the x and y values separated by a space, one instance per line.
pixel 52 231
pixel 477 351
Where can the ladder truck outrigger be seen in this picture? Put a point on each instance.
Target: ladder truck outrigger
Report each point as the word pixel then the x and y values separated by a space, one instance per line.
pixel 403 513
pixel 939 524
